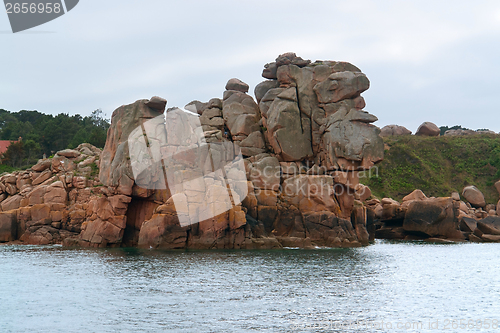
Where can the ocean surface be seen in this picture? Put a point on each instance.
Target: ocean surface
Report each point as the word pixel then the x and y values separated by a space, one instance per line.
pixel 385 287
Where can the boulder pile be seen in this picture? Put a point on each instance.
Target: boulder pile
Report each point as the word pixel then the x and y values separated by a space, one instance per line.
pixel 299 145
pixel 437 219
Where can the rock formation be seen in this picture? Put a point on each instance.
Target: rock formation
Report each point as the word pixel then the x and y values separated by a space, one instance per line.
pixel 437 219
pixel 428 129
pixel 49 203
pixel 278 171
pixel 393 130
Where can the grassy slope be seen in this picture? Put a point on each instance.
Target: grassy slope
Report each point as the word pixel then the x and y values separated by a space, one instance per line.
pixel 437 166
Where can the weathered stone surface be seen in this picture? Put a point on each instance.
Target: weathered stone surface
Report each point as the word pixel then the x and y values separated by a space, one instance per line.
pixel 42 165
pixel 8 226
pixel 289 133
pixel 341 85
pixel 265 173
pixel 55 193
pixel 350 142
pixel 415 195
pixel 428 129
pixel 42 177
pixel 69 153
pixel 62 164
pixel 100 233
pixel 497 186
pixel 468 224
pixel 392 130
pixel 157 103
pixel 362 193
pixel 262 88
pixel 433 217
pixel 162 231
pixel 237 84
pixel 115 170
pixel 11 203
pixel 269 71
pixel 489 225
pixel 240 113
pixel 474 196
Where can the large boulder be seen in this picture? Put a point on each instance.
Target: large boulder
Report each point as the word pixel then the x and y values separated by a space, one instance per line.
pixel 237 84
pixel 162 231
pixel 394 130
pixel 433 217
pixel 474 196
pixel 428 129
pixel 497 186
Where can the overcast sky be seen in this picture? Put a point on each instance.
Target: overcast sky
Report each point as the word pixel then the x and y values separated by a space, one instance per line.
pixel 432 61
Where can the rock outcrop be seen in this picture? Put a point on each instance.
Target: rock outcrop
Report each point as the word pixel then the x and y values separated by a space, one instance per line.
pixel 474 196
pixel 278 171
pixel 49 202
pixel 435 219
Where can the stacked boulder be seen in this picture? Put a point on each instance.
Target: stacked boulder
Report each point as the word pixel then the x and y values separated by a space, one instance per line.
pixel 48 203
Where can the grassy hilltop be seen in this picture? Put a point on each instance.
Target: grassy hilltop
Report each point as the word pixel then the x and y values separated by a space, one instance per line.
pixel 437 166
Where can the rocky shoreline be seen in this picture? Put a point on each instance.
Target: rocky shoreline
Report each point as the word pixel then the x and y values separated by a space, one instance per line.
pixel 291 161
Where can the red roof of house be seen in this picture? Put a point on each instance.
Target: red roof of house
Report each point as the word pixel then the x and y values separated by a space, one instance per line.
pixel 4 144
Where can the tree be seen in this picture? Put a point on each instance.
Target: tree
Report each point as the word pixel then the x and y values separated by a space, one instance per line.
pixel 14 155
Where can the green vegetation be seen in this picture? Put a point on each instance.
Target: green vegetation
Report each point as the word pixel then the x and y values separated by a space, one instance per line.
pixel 437 165
pixel 47 134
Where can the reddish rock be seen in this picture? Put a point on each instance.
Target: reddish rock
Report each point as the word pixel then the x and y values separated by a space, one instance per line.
pixel 474 196
pixel 79 182
pixel 393 130
pixel 157 103
pixel 100 233
pixel 41 213
pixel 162 231
pixel 11 189
pixel 69 153
pixel 8 226
pixel 11 203
pixel 415 195
pixel 36 196
pixel 62 164
pixel 119 203
pixel 428 129
pixel 42 165
pixel 237 84
pixel 55 193
pixel 115 170
pixel 104 209
pixel 434 217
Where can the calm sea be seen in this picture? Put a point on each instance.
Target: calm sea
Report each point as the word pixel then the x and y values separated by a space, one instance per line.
pixel 386 287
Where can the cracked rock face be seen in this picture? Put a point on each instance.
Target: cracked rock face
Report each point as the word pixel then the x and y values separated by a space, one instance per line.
pixel 316 114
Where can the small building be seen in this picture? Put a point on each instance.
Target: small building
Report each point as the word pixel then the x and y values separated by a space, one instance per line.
pixel 4 145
